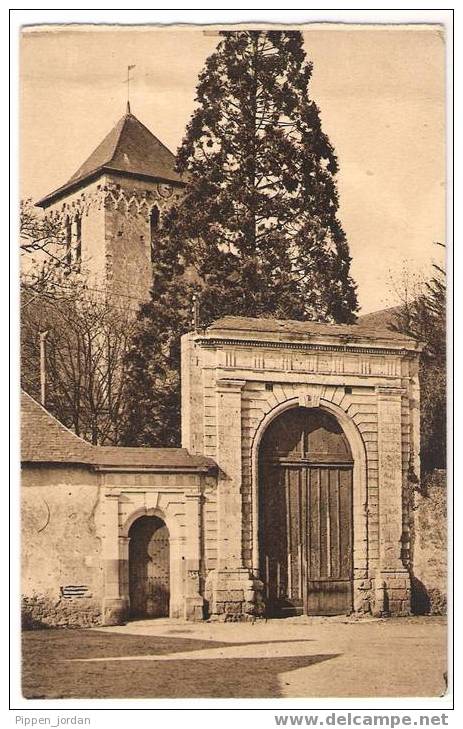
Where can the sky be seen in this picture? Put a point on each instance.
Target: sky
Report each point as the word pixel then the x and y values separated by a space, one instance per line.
pixel 381 95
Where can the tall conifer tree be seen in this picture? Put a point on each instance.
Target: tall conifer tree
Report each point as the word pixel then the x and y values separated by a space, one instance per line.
pixel 258 222
pixel 260 213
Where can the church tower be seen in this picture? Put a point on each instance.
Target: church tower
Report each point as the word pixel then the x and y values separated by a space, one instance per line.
pixel 111 210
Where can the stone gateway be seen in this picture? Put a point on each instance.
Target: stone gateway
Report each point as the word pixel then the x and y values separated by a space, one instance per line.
pixel 291 493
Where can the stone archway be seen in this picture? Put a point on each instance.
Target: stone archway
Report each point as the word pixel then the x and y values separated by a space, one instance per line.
pixel 149 568
pixel 168 517
pixel 305 514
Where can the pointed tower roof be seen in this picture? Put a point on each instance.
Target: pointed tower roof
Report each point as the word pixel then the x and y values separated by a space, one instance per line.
pixel 130 150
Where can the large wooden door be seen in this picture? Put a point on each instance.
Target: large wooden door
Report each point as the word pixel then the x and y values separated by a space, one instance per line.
pixel 305 515
pixel 149 568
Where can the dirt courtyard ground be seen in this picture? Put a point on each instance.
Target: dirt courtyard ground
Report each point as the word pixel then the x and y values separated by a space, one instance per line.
pixel 296 657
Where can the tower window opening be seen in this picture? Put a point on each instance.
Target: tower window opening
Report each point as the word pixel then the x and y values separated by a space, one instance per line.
pixel 78 244
pixel 68 242
pixel 154 232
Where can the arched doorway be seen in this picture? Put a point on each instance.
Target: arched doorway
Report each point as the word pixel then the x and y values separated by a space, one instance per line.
pixel 305 514
pixel 149 578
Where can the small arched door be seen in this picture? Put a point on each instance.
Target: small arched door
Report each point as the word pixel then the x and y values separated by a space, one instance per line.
pixel 149 588
pixel 305 514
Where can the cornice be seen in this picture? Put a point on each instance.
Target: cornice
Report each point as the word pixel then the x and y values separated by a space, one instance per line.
pixel 72 187
pixel 215 342
pixel 111 196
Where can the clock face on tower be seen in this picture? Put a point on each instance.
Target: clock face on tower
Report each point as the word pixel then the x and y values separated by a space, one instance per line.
pixel 165 190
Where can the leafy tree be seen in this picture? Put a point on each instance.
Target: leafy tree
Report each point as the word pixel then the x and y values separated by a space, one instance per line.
pixel 87 338
pixel 47 270
pixel 257 225
pixel 39 234
pixel 422 316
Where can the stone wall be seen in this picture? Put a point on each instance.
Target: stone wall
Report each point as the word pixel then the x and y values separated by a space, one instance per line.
pixel 128 205
pixel 429 581
pixel 88 207
pixel 62 578
pixel 75 524
pixel 115 232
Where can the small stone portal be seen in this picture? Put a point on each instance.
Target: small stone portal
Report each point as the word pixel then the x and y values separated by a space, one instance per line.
pixel 149 587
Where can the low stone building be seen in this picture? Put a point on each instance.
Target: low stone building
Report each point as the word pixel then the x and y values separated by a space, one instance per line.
pixel 291 493
pixel 79 503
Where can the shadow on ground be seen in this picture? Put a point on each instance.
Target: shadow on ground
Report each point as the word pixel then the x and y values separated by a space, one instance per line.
pixel 49 671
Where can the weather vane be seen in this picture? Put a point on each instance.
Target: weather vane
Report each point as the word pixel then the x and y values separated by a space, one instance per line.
pixel 127 81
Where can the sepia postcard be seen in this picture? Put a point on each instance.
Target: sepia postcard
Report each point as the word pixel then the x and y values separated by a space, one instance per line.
pixel 233 361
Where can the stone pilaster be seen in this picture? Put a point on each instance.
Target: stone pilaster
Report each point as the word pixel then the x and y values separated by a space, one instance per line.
pixel 415 420
pixel 124 590
pixel 229 462
pixel 393 581
pixel 230 587
pixel 115 604
pixel 194 602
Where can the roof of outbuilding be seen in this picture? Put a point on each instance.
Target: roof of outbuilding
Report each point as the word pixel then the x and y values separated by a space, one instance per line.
pixel 382 319
pixel 45 440
pixel 159 458
pixel 129 149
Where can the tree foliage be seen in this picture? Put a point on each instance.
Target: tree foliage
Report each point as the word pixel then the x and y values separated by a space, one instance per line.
pixel 423 317
pixel 260 211
pixel 257 225
pixel 40 234
pixel 87 339
pixel 45 259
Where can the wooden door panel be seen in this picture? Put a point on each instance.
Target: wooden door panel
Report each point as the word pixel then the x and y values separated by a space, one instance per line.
pixel 276 548
pixel 149 568
pixel 329 586
pixel 345 491
pixel 305 516
pixel 293 515
pixel 335 536
pixel 329 597
pixel 157 602
pixel 324 515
